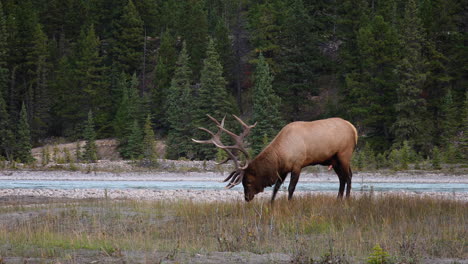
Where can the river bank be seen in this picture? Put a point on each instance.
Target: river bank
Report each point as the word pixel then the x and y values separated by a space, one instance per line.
pixel 217 191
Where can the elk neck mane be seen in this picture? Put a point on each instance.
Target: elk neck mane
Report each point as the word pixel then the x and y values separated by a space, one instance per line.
pixel 265 167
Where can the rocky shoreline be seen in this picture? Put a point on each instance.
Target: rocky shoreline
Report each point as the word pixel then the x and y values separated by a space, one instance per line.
pixel 192 195
pixel 210 195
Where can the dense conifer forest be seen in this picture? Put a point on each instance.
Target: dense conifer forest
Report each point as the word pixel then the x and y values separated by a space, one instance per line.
pixel 139 69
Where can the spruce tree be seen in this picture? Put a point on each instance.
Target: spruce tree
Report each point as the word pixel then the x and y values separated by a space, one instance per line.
pixel 3 54
pixel 410 105
pixel 195 33
pixel 148 146
pixel 299 62
pixel 89 75
pixel 213 99
pixel 372 86
pixel 180 106
pixel 23 138
pixel 464 130
pixel 122 116
pixel 166 58
pixel 5 129
pixel 449 118
pixel 224 48
pixel 90 149
pixel 39 94
pixel 265 107
pixel 128 47
pixel 133 148
pixel 6 135
pixel 129 110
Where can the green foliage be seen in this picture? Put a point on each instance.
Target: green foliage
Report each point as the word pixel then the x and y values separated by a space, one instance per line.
pixel 395 69
pixel 436 158
pixel 299 61
pixel 381 161
pixel 90 149
pixel 194 30
pixel 265 106
pixel 378 256
pixel 404 154
pixel 6 135
pixel 133 148
pixel 165 64
pixel 372 86
pixel 45 156
pixel 449 118
pixel 221 155
pixel 148 145
pixel 78 151
pixel 180 107
pixel 23 139
pixel 130 110
pixel 127 49
pixel 410 106
pixel 464 130
pixel 38 94
pixel 400 158
pixel 213 99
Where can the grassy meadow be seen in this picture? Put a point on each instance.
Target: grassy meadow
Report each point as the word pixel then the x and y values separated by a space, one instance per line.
pixel 310 229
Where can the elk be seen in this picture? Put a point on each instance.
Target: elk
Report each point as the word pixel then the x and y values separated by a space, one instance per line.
pixel 329 142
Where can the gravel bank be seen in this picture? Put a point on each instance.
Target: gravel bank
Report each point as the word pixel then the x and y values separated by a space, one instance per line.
pixel 207 195
pixel 193 195
pixel 322 176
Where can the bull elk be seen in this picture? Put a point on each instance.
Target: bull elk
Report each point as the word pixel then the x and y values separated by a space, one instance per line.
pixel 328 142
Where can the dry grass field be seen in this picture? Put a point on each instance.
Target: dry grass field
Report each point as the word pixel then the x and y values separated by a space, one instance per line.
pixel 309 229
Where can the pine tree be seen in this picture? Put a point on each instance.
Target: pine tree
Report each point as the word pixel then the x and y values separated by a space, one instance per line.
pixel 372 86
pixel 6 135
pixel 180 106
pixel 213 98
pixel 265 106
pixel 23 138
pixel 298 62
pixel 195 33
pixel 449 118
pixel 3 54
pixel 265 21
pixel 133 149
pixel 149 13
pixel 129 110
pixel 89 75
pixel 128 46
pixel 122 117
pixel 224 47
pixel 5 129
pixel 148 145
pixel 39 98
pixel 464 130
pixel 410 106
pixel 166 58
pixel 90 149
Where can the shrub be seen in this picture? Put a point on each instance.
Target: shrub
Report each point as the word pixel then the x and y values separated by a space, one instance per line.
pixel 436 158
pixel 378 256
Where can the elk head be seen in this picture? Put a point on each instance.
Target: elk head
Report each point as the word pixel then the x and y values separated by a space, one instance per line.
pixel 242 172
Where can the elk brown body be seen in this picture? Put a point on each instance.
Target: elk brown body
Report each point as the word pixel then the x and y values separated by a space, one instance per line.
pixel 299 144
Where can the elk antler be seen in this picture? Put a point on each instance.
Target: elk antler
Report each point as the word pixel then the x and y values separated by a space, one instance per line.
pixel 236 176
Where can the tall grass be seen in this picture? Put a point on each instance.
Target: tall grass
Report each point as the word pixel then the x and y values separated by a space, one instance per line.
pixel 407 228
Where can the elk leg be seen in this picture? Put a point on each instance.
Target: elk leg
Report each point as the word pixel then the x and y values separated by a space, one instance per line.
pixel 337 167
pixel 348 182
pixel 292 184
pixel 278 183
pixel 345 175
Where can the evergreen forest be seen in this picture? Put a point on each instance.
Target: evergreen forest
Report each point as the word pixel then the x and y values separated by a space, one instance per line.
pixel 136 70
